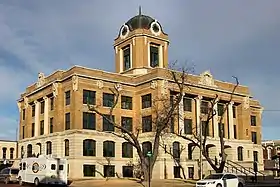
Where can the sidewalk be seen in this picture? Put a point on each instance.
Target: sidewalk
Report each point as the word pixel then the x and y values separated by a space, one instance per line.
pixel 130 183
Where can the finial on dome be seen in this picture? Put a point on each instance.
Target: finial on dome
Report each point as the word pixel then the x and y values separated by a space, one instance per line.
pixel 140 11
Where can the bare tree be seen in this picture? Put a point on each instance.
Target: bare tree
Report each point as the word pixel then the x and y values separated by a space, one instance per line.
pixel 198 140
pixel 162 112
pixel 175 155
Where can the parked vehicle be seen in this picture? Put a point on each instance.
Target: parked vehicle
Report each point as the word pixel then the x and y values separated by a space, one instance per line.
pixel 221 180
pixel 9 175
pixel 43 170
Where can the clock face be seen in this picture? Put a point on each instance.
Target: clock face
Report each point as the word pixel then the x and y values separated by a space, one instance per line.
pixel 155 28
pixel 124 31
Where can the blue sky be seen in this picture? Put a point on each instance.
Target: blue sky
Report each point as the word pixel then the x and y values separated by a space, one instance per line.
pixel 240 38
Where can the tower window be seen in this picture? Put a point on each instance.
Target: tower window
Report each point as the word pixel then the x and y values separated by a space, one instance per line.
pixel 126 58
pixel 154 57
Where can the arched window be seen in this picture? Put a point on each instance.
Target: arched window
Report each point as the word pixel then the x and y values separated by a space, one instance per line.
pixel 29 150
pixel 190 151
pixel 269 153
pixel 49 148
pixel 176 149
pixel 240 153
pixel 127 150
pixel 12 153
pixel 89 147
pixel 146 147
pixel 40 148
pixel 66 147
pixel 4 149
pixel 109 149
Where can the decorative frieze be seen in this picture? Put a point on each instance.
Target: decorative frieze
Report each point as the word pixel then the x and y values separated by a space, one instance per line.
pixel 100 84
pixel 207 79
pixel 118 87
pixel 75 81
pixel 164 87
pixel 153 84
pixel 41 79
pixel 246 102
pixel 55 89
pixel 25 100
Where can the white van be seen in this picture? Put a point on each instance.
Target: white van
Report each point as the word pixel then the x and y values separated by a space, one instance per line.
pixel 43 170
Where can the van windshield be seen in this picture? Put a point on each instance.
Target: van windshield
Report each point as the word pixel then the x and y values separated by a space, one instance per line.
pixel 14 171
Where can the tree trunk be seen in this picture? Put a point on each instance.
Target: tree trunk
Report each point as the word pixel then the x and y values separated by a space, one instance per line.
pixel 221 167
pixel 183 172
pixel 145 168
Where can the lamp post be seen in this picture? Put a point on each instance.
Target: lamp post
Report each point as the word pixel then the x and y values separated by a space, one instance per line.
pixel 149 155
pixel 200 151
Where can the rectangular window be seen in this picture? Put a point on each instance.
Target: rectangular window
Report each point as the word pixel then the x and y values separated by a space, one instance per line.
pixel 89 170
pixel 253 120
pixel 187 104
pixel 51 125
pixel 172 121
pixel 254 137
pixel 205 128
pixel 33 110
pixel 126 58
pixel 126 102
pixel 107 126
pixel 204 107
pixel 154 56
pixel 147 124
pixel 234 132
pixel 127 123
pixel 188 126
pixel 52 103
pixel 234 111
pixel 23 114
pixel 127 171
pixel 109 171
pixel 32 129
pixel 67 121
pixel 42 104
pixel 23 129
pixel 220 109
pixel 89 120
pixel 221 130
pixel 89 97
pixel 146 101
pixel 255 155
pixel 67 97
pixel 108 99
pixel 42 127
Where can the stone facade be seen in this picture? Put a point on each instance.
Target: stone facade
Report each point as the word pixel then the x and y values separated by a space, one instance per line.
pixel 54 113
pixel 271 148
pixel 8 151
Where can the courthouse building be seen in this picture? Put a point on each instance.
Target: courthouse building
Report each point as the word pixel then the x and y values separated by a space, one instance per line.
pixel 55 120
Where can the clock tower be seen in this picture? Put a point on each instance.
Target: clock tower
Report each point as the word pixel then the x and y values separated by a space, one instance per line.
pixel 140 46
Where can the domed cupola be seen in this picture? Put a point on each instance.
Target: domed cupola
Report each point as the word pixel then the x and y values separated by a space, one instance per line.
pixel 141 44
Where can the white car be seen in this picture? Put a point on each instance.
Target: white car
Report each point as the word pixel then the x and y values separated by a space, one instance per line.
pixel 221 180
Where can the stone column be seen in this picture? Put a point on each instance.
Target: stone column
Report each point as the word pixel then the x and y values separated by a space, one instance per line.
pixel 46 115
pixel 37 118
pixel 160 56
pixel 181 115
pixel 197 105
pixel 230 120
pixel 216 121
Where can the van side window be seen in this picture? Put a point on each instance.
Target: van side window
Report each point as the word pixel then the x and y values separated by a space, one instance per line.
pixel 60 167
pixel 53 167
pixel 20 166
pixel 24 166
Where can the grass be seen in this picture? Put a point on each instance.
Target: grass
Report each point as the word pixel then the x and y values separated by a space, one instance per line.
pixel 132 183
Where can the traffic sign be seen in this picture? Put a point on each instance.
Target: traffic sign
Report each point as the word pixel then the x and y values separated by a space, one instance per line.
pixel 149 154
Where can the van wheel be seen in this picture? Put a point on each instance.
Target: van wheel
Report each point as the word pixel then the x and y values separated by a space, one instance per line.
pixel 219 185
pixel 240 185
pixel 36 182
pixel 7 180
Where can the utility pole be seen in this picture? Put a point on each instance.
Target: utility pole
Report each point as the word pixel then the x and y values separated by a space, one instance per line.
pixel 200 150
